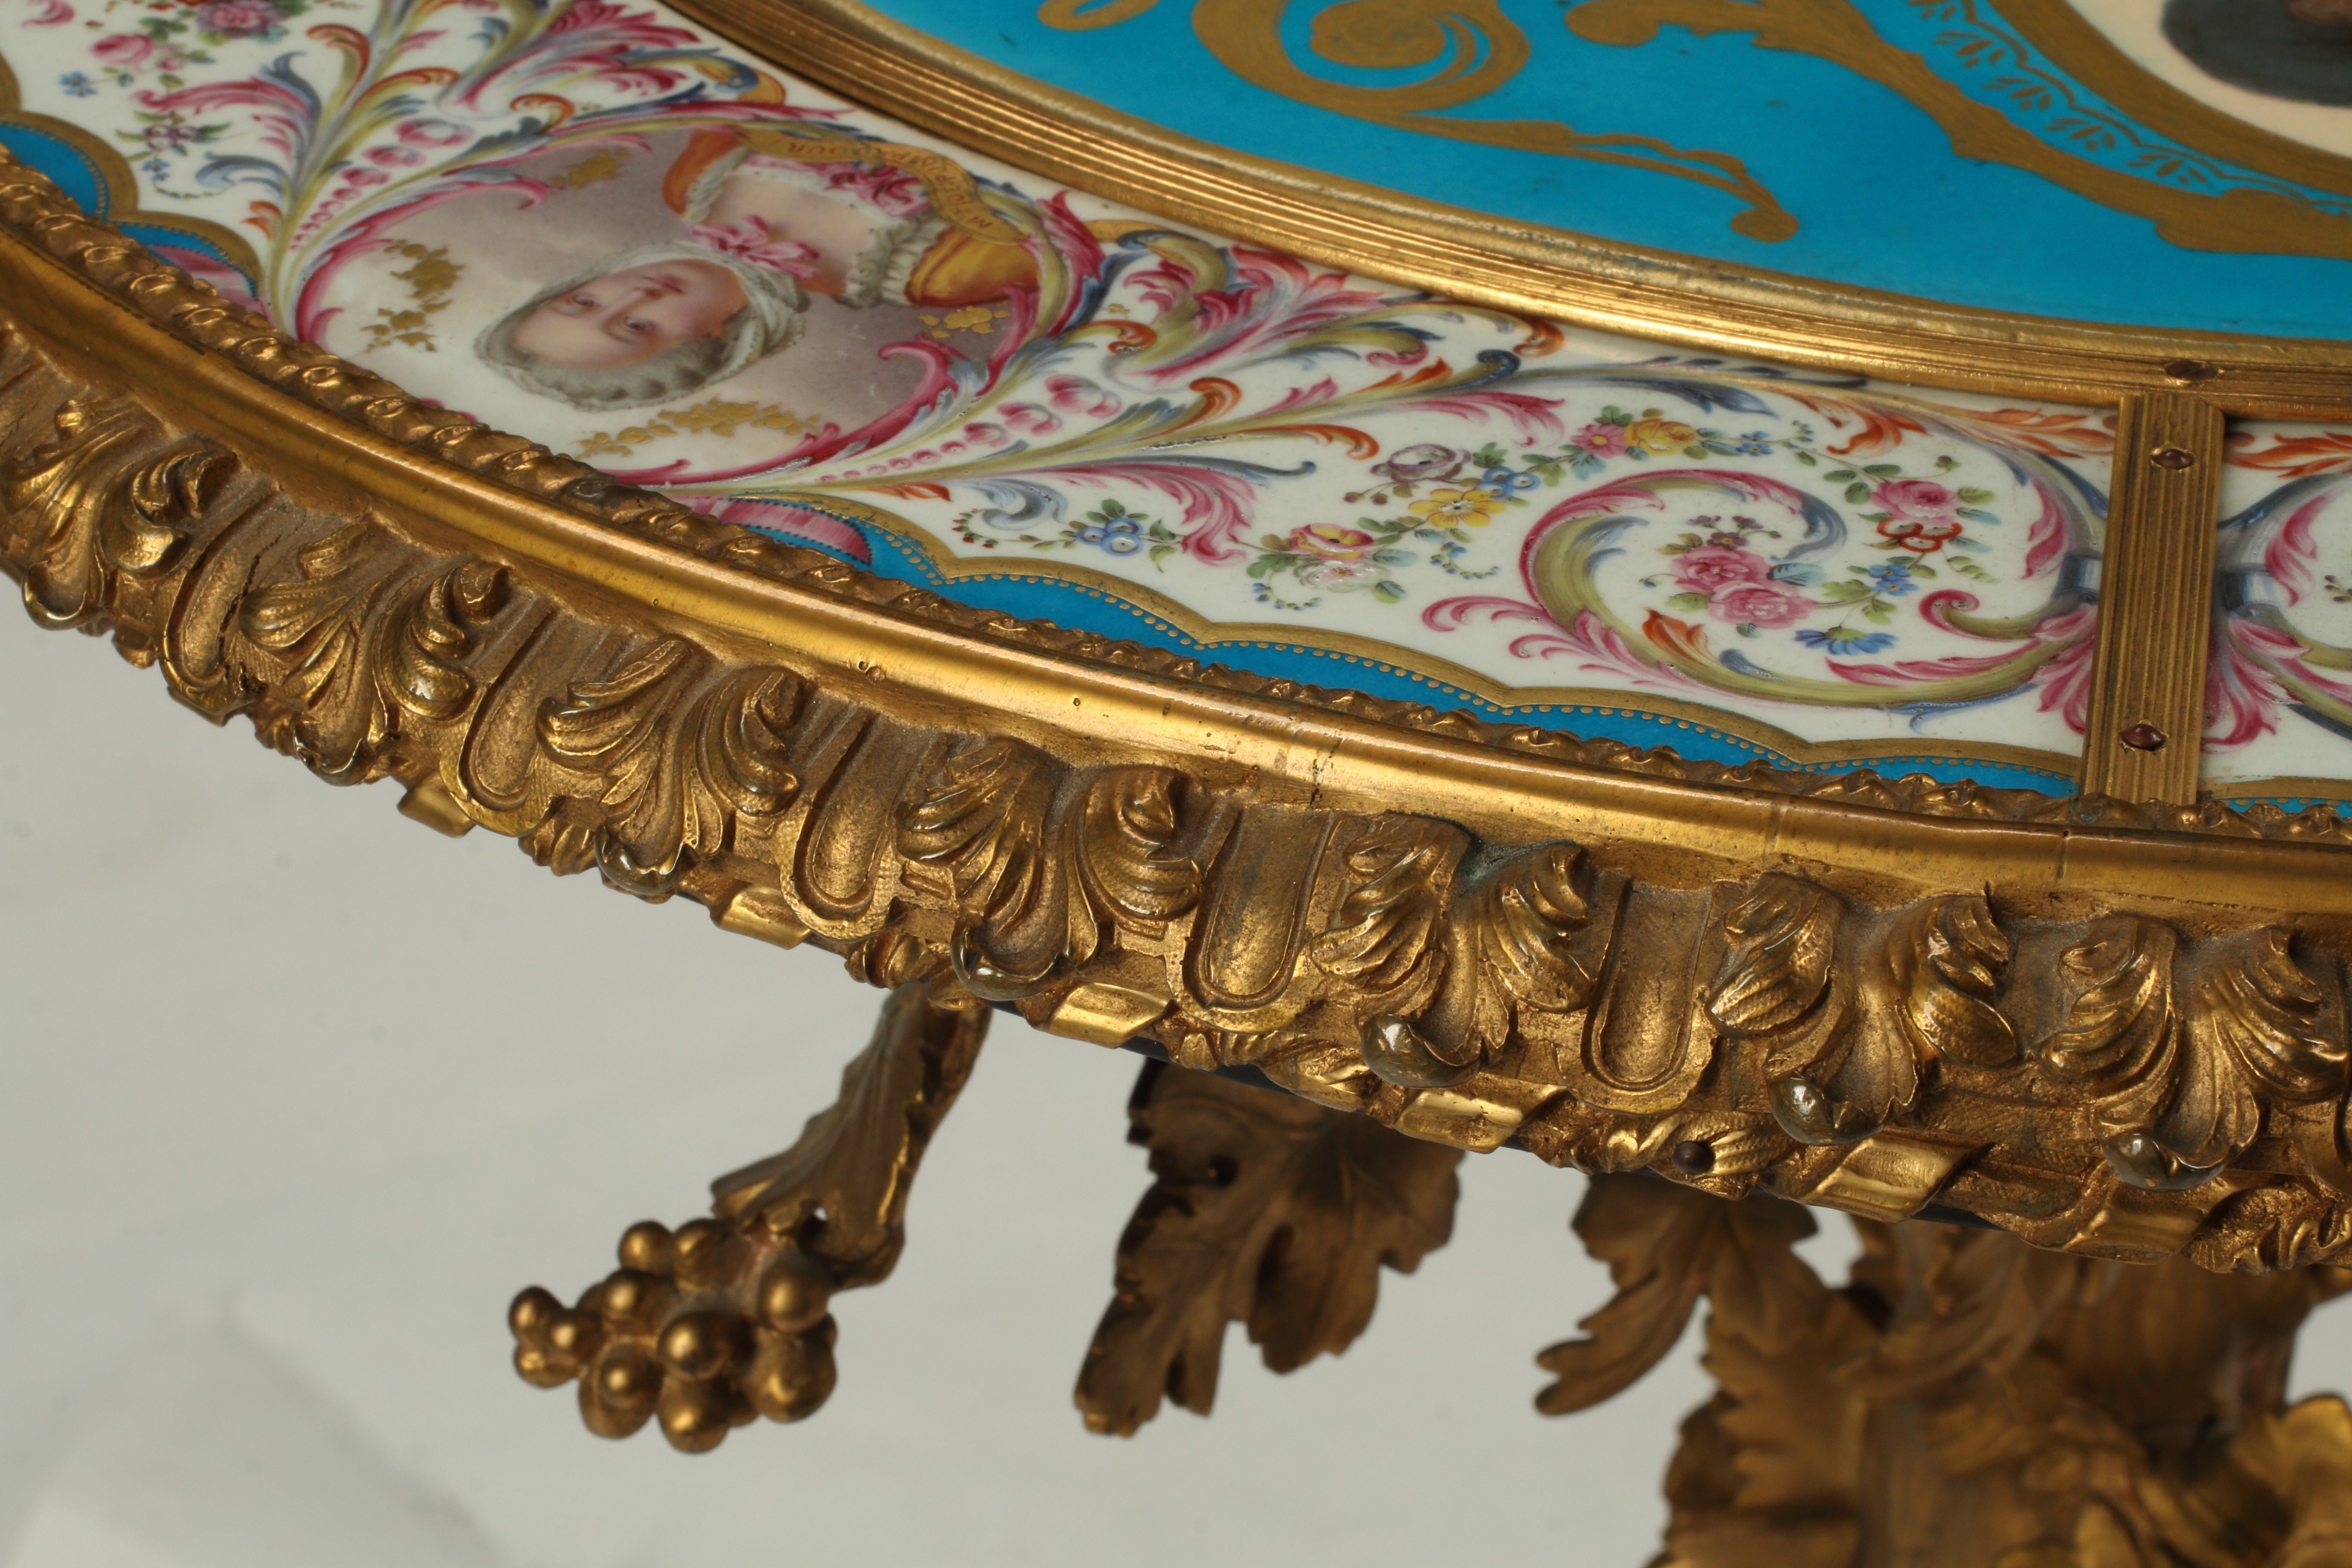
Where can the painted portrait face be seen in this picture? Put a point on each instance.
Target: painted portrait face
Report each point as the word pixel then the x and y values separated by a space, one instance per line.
pixel 624 318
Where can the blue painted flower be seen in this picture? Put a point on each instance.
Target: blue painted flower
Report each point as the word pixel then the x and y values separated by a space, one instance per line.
pixel 1847 639
pixel 1894 579
pixel 1755 444
pixel 1506 482
pixel 77 84
pixel 1117 533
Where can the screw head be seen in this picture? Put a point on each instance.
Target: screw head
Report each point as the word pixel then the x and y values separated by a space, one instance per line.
pixel 2174 457
pixel 2143 738
pixel 1693 1157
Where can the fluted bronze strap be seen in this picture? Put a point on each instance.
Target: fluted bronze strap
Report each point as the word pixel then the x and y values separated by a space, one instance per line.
pixel 2156 601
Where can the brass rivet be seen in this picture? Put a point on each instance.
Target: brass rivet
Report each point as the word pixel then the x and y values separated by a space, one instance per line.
pixel 2143 738
pixel 1693 1157
pixel 2190 370
pixel 2171 458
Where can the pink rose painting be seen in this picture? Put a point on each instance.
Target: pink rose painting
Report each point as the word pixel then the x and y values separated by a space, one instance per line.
pixel 1760 604
pixel 1713 566
pixel 238 19
pixel 122 51
pixel 1330 540
pixel 1916 500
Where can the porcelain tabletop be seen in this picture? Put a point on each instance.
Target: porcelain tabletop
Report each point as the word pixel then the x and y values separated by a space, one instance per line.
pixel 602 227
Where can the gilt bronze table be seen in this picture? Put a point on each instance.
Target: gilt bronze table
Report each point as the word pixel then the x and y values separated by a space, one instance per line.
pixel 1750 596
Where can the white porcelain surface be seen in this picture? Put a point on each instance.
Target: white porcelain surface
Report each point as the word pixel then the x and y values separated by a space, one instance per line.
pixel 958 374
pixel 2280 692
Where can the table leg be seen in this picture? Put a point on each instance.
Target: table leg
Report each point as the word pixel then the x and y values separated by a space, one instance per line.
pixel 1964 1398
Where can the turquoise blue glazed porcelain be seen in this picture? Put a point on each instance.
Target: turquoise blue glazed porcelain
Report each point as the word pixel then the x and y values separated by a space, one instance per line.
pixel 597 226
pixel 1860 179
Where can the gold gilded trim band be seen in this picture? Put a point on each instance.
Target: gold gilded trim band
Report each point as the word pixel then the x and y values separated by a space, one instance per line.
pixel 2156 601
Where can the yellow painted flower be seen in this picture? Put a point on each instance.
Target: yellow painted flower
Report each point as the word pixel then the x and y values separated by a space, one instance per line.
pixel 1660 435
pixel 1459 508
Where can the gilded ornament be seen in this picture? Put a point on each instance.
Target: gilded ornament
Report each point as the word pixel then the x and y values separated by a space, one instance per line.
pixel 2266 1014
pixel 1528 918
pixel 1381 936
pixel 1945 962
pixel 980 818
pixel 682 753
pixel 1265 1211
pixel 96 518
pixel 725 1320
pixel 358 639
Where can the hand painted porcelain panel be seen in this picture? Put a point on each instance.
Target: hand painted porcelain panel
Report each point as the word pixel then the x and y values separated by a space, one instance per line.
pixel 595 225
pixel 1971 151
pixel 2279 687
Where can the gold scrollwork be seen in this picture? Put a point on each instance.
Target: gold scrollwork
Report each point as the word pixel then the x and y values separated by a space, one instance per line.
pixel 99 522
pixel 357 637
pixel 2182 1085
pixel 1466 49
pixel 681 755
pixel 2241 218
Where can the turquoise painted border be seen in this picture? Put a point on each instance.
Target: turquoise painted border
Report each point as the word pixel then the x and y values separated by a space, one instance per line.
pixel 1040 597
pixel 1882 199
pixel 47 152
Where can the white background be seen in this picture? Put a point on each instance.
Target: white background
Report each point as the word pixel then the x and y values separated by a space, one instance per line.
pixel 297 1093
